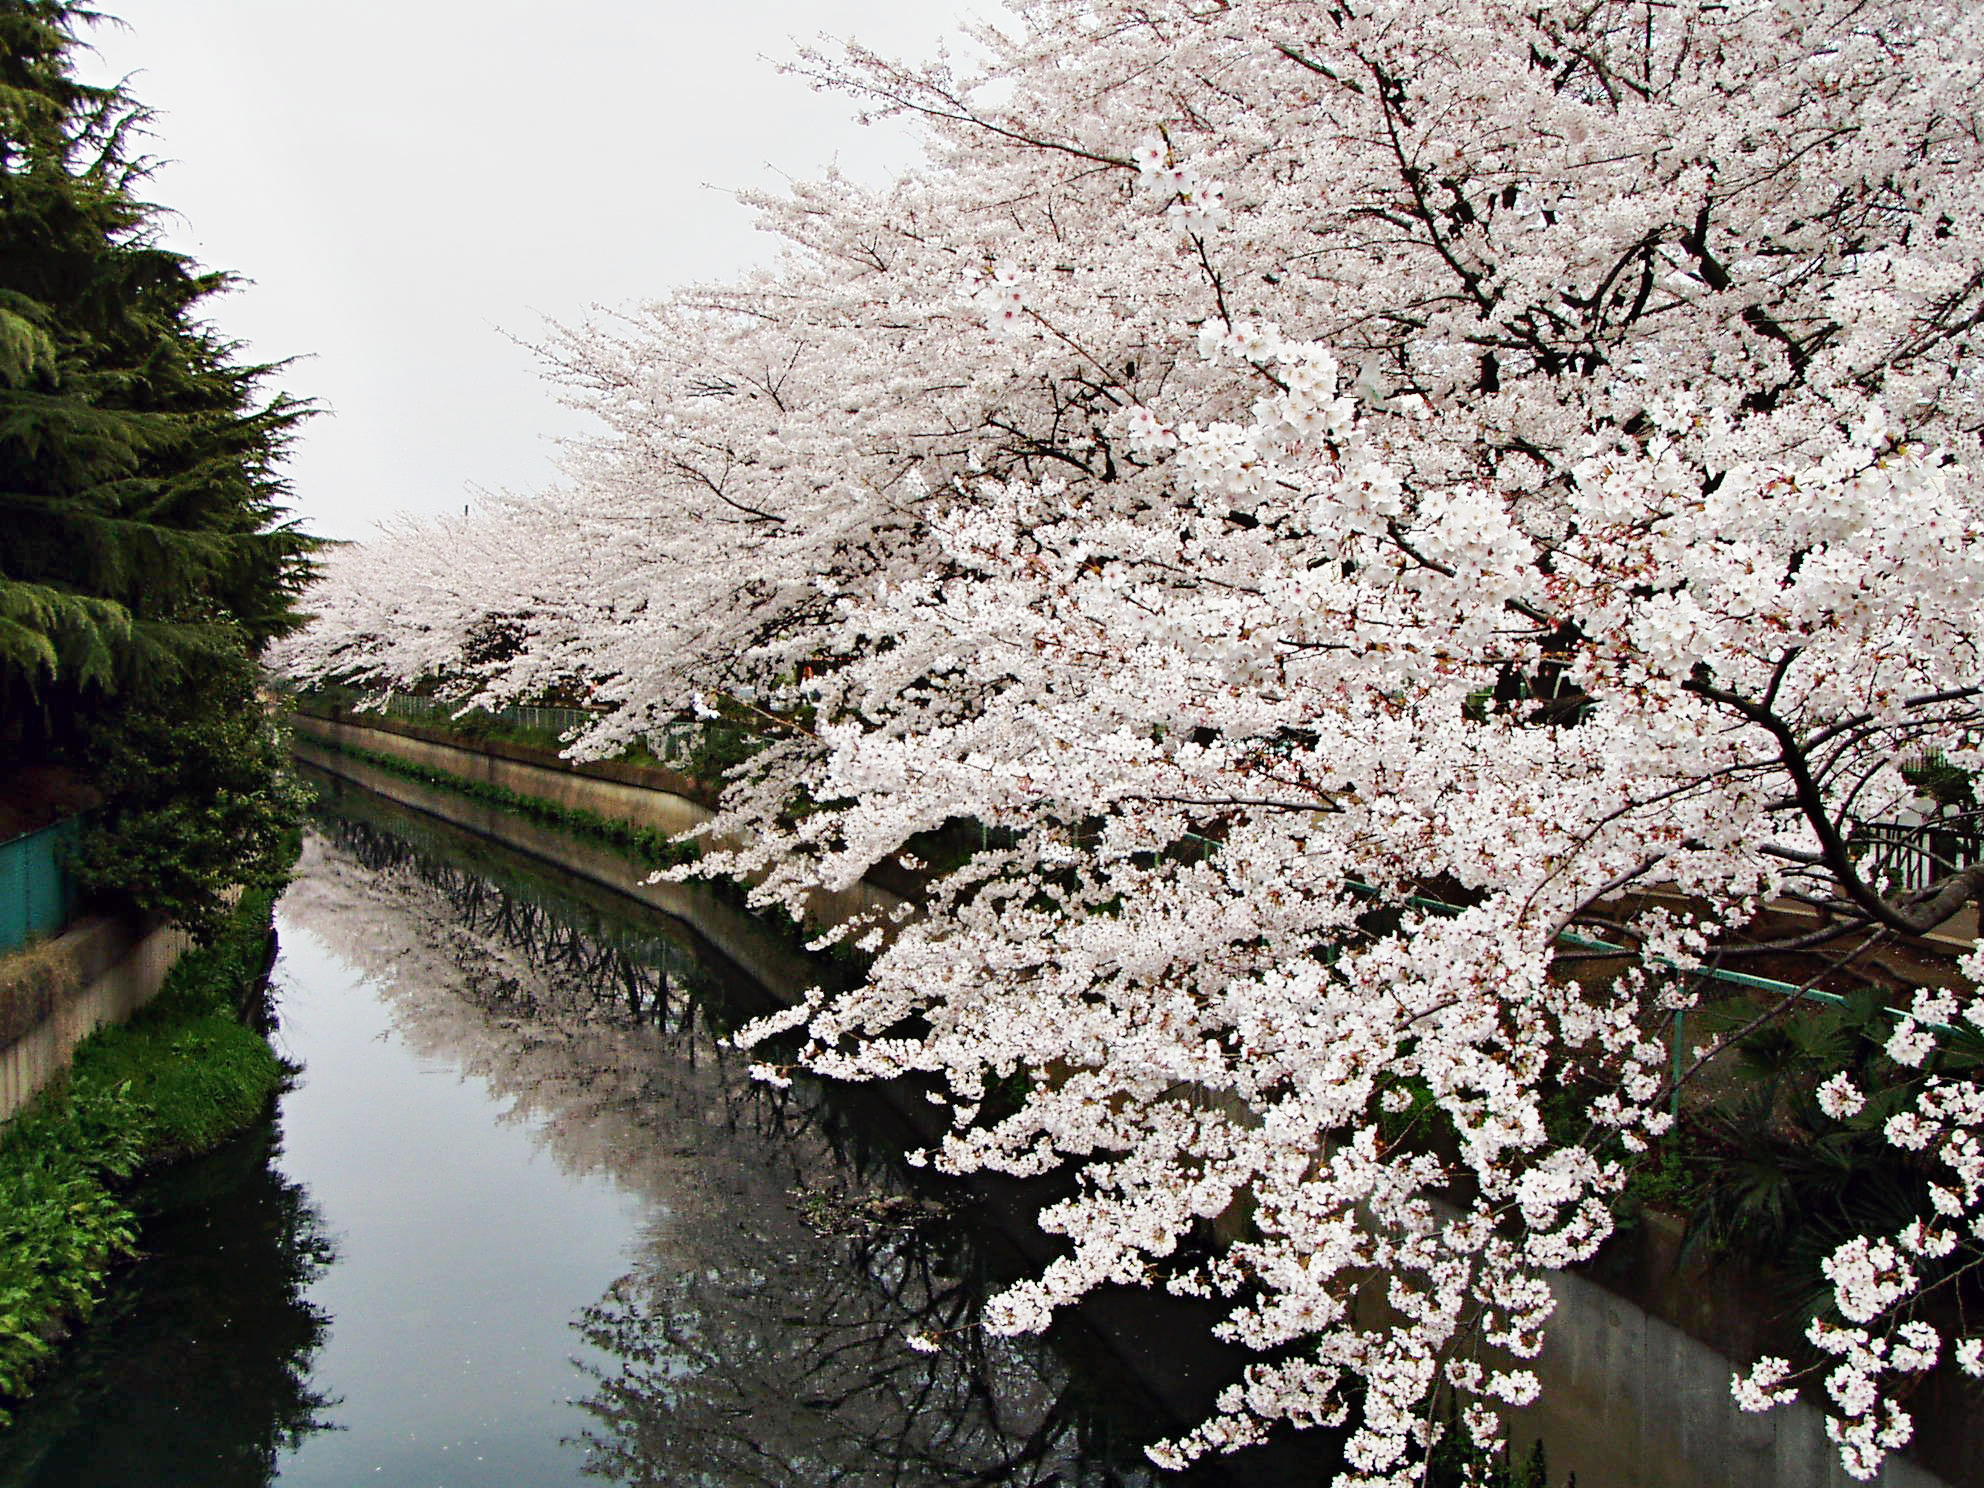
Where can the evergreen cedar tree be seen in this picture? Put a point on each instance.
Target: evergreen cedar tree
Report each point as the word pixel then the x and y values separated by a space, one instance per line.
pixel 144 561
pixel 1272 463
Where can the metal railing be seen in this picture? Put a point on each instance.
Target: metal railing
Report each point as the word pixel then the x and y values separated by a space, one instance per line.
pixel 1909 856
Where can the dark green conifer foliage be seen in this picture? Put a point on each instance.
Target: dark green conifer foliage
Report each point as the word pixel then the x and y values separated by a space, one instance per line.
pixel 144 559
pixel 139 500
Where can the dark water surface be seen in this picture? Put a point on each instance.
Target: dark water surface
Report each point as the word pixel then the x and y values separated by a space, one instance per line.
pixel 523 1222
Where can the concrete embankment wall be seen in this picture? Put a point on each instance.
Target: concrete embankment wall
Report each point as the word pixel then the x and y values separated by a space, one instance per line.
pixel 54 994
pixel 739 936
pixel 1629 1400
pixel 574 789
pixel 639 805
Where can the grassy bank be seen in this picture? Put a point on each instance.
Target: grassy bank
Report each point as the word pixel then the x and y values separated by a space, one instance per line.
pixel 179 1078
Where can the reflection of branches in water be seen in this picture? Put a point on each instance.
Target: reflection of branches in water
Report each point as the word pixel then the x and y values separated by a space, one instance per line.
pixel 517 948
pixel 795 1372
pixel 576 961
pixel 600 968
pixel 750 1348
pixel 292 1328
pixel 565 1019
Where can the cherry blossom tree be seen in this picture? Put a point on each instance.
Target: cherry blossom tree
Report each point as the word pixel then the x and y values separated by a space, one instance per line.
pixel 1274 468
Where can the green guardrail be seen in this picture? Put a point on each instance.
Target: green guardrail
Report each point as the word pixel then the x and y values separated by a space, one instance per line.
pixel 1711 972
pixel 1676 1041
pixel 38 893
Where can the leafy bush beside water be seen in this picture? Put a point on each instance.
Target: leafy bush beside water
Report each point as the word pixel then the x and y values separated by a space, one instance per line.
pixel 178 1079
pixel 199 799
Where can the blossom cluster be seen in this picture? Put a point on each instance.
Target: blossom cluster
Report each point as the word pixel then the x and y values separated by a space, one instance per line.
pixel 1193 205
pixel 1876 1280
pixel 1453 478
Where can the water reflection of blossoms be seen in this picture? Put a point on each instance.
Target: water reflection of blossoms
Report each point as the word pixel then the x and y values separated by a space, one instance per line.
pixel 583 962
pixel 762 1339
pixel 793 1371
pixel 607 1026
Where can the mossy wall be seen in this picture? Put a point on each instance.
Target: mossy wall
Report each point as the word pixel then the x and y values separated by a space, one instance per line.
pixel 55 993
pixel 649 807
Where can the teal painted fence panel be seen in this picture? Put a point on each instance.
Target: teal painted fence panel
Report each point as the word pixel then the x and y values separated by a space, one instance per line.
pixel 38 894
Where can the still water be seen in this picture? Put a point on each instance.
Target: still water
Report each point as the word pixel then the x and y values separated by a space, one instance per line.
pixel 523 1221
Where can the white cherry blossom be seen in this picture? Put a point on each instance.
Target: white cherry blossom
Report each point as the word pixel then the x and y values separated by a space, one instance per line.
pixel 1516 456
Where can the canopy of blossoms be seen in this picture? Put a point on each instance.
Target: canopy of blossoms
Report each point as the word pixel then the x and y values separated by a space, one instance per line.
pixel 1274 465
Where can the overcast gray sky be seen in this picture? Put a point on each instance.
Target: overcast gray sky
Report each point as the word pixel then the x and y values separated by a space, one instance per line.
pixel 405 181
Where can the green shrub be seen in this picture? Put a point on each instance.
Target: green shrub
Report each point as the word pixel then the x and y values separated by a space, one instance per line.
pixel 199 798
pixel 1457 1463
pixel 181 1077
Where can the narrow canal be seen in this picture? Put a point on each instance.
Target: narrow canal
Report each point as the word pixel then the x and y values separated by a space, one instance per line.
pixel 524 1221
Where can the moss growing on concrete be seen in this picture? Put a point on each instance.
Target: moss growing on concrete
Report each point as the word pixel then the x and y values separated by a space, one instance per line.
pixel 649 847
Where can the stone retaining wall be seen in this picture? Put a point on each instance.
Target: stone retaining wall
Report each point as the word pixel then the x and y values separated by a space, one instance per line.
pixel 55 993
pixel 733 932
pixel 642 806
